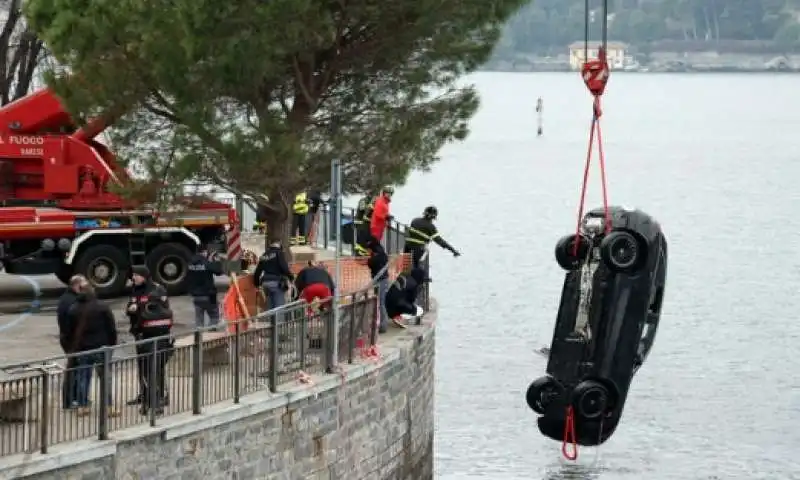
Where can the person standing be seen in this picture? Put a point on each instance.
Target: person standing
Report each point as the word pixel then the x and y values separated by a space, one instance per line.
pixel 62 310
pixel 378 266
pixel 299 219
pixel 273 275
pixel 151 319
pixel 89 325
pixel 380 217
pixel 361 220
pixel 420 234
pixel 202 288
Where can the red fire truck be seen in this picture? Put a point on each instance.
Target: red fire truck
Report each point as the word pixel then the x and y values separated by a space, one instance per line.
pixel 59 213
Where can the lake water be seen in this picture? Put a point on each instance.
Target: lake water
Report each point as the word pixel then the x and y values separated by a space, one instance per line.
pixel 716 158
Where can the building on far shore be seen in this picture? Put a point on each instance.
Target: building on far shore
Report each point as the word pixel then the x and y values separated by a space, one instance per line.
pixel 615 53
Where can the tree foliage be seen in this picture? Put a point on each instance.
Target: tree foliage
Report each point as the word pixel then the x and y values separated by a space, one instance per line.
pixel 21 52
pixel 548 26
pixel 259 96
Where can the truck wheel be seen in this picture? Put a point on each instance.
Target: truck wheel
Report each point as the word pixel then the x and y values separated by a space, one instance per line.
pixel 541 394
pixel 565 251
pixel 622 252
pixel 591 399
pixel 106 269
pixel 168 264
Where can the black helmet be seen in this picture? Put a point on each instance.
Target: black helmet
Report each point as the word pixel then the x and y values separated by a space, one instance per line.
pixel 431 212
pixel 388 189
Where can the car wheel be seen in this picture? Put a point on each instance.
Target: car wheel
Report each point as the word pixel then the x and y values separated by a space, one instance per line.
pixel 622 251
pixel 541 394
pixel 565 251
pixel 591 399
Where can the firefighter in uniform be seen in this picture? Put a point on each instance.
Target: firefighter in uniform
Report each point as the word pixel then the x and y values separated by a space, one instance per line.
pixel 151 318
pixel 361 221
pixel 299 218
pixel 421 232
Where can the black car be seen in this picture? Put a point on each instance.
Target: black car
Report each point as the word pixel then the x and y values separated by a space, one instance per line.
pixel 606 325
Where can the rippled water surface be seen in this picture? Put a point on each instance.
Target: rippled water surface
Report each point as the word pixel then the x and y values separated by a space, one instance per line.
pixel 717 160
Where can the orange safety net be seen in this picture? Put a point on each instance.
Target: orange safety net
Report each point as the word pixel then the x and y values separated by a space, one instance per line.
pixel 243 300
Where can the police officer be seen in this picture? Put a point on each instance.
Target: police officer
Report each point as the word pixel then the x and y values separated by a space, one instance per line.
pixel 273 275
pixel 421 232
pixel 151 318
pixel 200 278
pixel 362 217
pixel 300 208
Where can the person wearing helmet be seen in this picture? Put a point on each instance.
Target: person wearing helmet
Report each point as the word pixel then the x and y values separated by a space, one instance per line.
pixel 361 221
pixel 421 232
pixel 380 216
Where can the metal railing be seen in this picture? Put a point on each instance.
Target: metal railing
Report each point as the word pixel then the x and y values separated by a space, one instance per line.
pixel 42 404
pixel 56 400
pixel 325 229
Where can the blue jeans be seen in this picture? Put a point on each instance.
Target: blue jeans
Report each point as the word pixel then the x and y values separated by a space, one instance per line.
pixel 206 306
pixel 383 287
pixel 275 294
pixel 82 377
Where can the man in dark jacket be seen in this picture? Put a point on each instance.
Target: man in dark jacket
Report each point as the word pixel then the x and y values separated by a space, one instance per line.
pixel 378 264
pixel 315 283
pixel 202 288
pixel 403 293
pixel 273 275
pixel 421 233
pixel 64 303
pixel 151 318
pixel 89 325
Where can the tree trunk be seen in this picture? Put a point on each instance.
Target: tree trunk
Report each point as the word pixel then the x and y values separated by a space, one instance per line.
pixel 278 222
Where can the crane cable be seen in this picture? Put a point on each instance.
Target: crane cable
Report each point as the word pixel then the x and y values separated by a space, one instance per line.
pixel 595 74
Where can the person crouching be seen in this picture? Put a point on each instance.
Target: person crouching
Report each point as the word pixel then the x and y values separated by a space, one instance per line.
pixel 315 283
pixel 402 295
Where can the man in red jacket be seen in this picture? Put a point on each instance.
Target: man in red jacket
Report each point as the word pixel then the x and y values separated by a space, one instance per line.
pixel 381 215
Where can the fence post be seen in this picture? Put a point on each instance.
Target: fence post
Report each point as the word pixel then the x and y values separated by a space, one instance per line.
pixel 197 374
pixel 44 421
pixel 330 333
pixel 105 379
pixel 351 334
pixel 236 361
pixel 325 230
pixel 152 381
pixel 273 352
pixel 303 332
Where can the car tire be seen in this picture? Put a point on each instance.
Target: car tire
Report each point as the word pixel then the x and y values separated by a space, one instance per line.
pixel 168 264
pixel 106 267
pixel 622 251
pixel 565 251
pixel 541 393
pixel 591 399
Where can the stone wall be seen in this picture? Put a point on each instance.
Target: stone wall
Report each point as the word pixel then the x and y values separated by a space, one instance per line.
pixel 373 421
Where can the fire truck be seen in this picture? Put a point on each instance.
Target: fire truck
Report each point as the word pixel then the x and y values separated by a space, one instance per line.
pixel 60 213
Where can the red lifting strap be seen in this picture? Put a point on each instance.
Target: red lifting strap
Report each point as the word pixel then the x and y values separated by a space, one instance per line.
pixel 595 75
pixel 570 439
